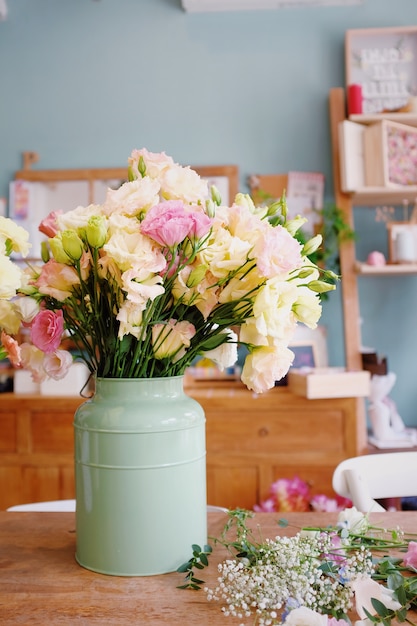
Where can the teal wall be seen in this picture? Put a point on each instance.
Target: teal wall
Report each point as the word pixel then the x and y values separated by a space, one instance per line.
pixel 83 82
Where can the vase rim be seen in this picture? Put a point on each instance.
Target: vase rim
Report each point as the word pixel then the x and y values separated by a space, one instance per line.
pixel 135 379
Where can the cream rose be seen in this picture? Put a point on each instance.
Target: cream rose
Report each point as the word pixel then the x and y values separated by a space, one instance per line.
pixel 10 278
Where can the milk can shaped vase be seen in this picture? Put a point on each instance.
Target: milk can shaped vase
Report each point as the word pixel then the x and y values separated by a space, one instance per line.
pixel 140 475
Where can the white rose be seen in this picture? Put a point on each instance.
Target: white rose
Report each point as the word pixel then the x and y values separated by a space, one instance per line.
pixel 225 355
pixel 305 617
pixel 365 589
pixel 18 236
pixel 307 308
pixel 132 197
pixel 77 218
pixel 264 366
pixel 353 520
pixel 183 183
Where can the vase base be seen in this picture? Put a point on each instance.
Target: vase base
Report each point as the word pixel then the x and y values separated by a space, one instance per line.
pixel 121 574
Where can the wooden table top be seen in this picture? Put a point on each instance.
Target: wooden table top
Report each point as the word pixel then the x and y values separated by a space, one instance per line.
pixel 41 583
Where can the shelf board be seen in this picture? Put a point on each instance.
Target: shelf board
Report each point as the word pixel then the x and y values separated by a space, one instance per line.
pixel 382 195
pixel 402 118
pixel 389 269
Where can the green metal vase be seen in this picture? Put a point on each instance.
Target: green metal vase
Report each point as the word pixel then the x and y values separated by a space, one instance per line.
pixel 140 477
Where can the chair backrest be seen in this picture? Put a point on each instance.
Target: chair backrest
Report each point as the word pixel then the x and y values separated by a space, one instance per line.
pixel 365 479
pixel 50 505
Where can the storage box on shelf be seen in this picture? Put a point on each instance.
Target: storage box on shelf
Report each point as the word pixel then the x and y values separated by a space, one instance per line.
pixel 390 154
pixel 252 440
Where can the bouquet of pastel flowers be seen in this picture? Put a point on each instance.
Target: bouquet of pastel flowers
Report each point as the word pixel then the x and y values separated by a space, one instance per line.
pixel 159 274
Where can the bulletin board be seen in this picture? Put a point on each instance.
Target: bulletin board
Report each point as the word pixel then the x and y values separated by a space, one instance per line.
pixel 35 193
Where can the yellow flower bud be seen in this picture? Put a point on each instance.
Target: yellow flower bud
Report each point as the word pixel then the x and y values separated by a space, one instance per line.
pixel 96 231
pixel 72 244
pixel 244 200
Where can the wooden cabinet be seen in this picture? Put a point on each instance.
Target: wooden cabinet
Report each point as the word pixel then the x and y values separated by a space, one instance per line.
pixel 252 440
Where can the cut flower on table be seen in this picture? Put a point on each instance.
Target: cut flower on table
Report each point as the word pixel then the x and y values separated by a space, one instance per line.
pixel 337 575
pixel 159 274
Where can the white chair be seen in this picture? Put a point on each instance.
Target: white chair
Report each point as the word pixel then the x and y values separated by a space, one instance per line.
pixel 69 505
pixel 365 479
pixel 51 505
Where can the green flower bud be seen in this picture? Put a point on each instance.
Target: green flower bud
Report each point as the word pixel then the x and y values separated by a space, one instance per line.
pixel 319 286
pixel 57 250
pixel 294 225
pixel 215 195
pixel 210 208
pixel 72 244
pixel 196 276
pixel 312 245
pixel 45 252
pixel 142 166
pixel 304 273
pixel 96 231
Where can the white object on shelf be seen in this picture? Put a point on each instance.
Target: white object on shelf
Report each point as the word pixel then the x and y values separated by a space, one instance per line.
pixel 23 383
pixel 352 166
pixel 329 382
pixel 71 385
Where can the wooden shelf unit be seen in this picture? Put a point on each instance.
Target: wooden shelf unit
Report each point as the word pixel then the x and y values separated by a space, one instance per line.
pixel 369 196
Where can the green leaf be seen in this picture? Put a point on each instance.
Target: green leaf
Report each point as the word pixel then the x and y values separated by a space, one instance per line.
pixel 380 608
pixel 283 523
pixel 185 567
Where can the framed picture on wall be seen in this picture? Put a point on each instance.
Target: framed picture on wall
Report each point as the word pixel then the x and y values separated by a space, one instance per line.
pixel 381 70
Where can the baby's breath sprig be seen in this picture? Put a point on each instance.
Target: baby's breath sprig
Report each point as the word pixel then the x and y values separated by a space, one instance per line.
pixel 332 571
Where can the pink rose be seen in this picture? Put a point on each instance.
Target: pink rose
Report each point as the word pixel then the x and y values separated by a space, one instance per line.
pixel 49 226
pixel 410 558
pixel 167 223
pixel 277 252
pixel 267 506
pixel 57 280
pixel 46 330
pixel 201 224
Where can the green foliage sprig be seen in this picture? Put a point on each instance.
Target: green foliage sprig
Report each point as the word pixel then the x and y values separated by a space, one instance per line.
pixel 199 560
